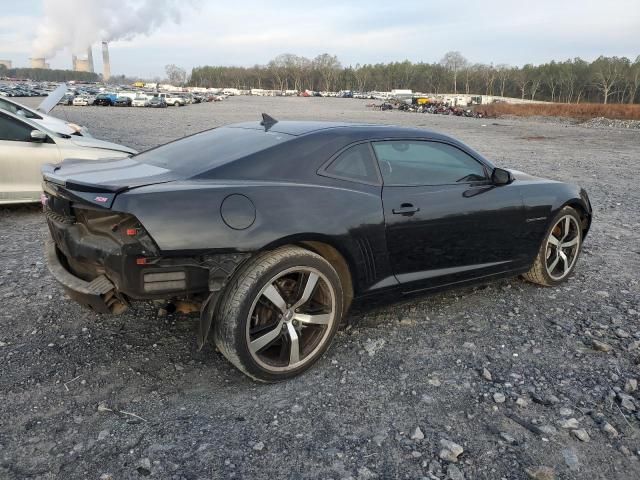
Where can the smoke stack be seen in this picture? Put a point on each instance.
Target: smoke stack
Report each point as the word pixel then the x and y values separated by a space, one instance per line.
pixel 90 59
pixel 106 65
pixel 74 60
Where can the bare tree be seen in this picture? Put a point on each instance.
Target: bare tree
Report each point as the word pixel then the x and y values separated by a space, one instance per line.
pixel 361 74
pixel 606 75
pixel 503 73
pixel 454 62
pixel 175 74
pixel 328 66
pixel 522 80
pixel 634 79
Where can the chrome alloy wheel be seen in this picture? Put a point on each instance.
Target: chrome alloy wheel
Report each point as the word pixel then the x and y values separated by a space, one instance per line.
pixel 562 247
pixel 291 319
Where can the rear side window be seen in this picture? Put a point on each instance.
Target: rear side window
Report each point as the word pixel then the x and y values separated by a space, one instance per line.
pixel 206 150
pixel 355 163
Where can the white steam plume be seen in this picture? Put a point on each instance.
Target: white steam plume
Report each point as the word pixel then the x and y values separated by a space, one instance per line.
pixel 76 24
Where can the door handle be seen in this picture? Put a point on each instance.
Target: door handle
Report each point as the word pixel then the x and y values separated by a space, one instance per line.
pixel 406 209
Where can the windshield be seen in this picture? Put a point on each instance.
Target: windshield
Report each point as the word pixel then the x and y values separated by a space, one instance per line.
pixel 212 148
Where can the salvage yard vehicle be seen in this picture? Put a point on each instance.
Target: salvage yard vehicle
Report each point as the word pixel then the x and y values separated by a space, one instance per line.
pixel 105 99
pixel 140 101
pixel 122 102
pixel 41 118
pixel 82 101
pixel 25 146
pixel 276 228
pixel 157 102
pixel 175 100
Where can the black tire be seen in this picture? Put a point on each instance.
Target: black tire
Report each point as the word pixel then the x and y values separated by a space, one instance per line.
pixel 245 294
pixel 540 273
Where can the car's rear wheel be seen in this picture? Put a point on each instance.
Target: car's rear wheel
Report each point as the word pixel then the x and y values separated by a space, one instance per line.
pixel 279 314
pixel 559 251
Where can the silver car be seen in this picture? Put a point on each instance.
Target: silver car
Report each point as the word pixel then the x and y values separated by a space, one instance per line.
pixel 25 146
pixel 40 114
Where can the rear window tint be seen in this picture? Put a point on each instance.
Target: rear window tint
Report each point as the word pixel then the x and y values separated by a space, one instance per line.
pixel 203 151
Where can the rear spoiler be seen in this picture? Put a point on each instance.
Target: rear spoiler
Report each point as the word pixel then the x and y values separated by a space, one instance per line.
pixel 48 171
pixel 98 195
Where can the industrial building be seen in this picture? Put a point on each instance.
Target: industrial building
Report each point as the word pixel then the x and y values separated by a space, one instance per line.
pixel 87 65
pixel 106 64
pixel 39 62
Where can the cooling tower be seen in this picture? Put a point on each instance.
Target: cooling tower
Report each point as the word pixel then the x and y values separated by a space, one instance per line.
pixel 38 63
pixel 82 65
pixel 106 65
pixel 90 59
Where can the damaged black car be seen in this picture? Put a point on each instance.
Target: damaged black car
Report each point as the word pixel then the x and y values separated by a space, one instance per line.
pixel 275 228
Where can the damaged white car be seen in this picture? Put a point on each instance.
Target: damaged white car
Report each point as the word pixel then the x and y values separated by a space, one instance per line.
pixel 26 145
pixel 40 114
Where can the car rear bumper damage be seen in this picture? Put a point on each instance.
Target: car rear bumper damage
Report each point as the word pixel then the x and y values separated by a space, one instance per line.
pixel 105 259
pixel 98 294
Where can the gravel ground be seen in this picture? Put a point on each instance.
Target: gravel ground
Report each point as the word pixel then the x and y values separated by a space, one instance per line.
pixel 525 381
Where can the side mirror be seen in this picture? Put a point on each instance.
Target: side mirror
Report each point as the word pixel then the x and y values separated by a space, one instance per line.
pixel 38 136
pixel 500 176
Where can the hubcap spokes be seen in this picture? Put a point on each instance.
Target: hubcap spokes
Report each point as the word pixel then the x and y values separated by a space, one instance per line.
pixel 562 248
pixel 291 318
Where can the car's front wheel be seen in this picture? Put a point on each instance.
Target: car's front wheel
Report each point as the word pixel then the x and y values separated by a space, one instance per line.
pixel 559 251
pixel 279 313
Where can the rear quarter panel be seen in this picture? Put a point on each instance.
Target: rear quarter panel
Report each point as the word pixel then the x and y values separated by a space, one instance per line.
pixel 185 217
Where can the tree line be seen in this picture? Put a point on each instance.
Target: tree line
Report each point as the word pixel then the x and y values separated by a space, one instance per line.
pixel 48 75
pixel 604 80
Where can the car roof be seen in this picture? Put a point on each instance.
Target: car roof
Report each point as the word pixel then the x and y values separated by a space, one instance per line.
pixel 299 128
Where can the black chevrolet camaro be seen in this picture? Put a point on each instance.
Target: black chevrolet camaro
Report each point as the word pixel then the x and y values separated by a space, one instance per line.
pixel 275 228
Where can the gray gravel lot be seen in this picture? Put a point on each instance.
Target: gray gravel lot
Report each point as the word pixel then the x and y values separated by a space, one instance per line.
pixel 520 377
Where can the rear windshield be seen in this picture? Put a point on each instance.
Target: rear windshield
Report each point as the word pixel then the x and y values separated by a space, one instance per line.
pixel 206 150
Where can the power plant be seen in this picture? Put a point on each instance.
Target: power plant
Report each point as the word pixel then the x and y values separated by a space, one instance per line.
pixel 106 64
pixel 90 59
pixel 87 65
pixel 39 62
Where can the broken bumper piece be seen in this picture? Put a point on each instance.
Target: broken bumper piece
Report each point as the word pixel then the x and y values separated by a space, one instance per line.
pixel 98 294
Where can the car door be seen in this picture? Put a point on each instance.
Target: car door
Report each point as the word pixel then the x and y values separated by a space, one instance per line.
pixel 445 220
pixel 20 160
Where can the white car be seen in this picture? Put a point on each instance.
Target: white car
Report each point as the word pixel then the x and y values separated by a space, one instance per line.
pixel 173 99
pixel 26 145
pixel 40 114
pixel 82 101
pixel 140 101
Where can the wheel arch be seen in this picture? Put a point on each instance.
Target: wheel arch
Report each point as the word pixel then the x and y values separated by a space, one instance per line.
pixel 582 209
pixel 332 252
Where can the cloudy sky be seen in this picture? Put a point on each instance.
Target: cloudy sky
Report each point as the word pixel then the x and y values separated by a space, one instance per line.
pixel 248 32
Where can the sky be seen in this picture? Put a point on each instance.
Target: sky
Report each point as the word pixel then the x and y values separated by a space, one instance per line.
pixel 249 32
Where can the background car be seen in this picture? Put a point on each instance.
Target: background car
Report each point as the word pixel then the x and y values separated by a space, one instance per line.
pixel 157 102
pixel 25 146
pixel 122 102
pixel 275 228
pixel 175 100
pixel 140 101
pixel 83 101
pixel 105 99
